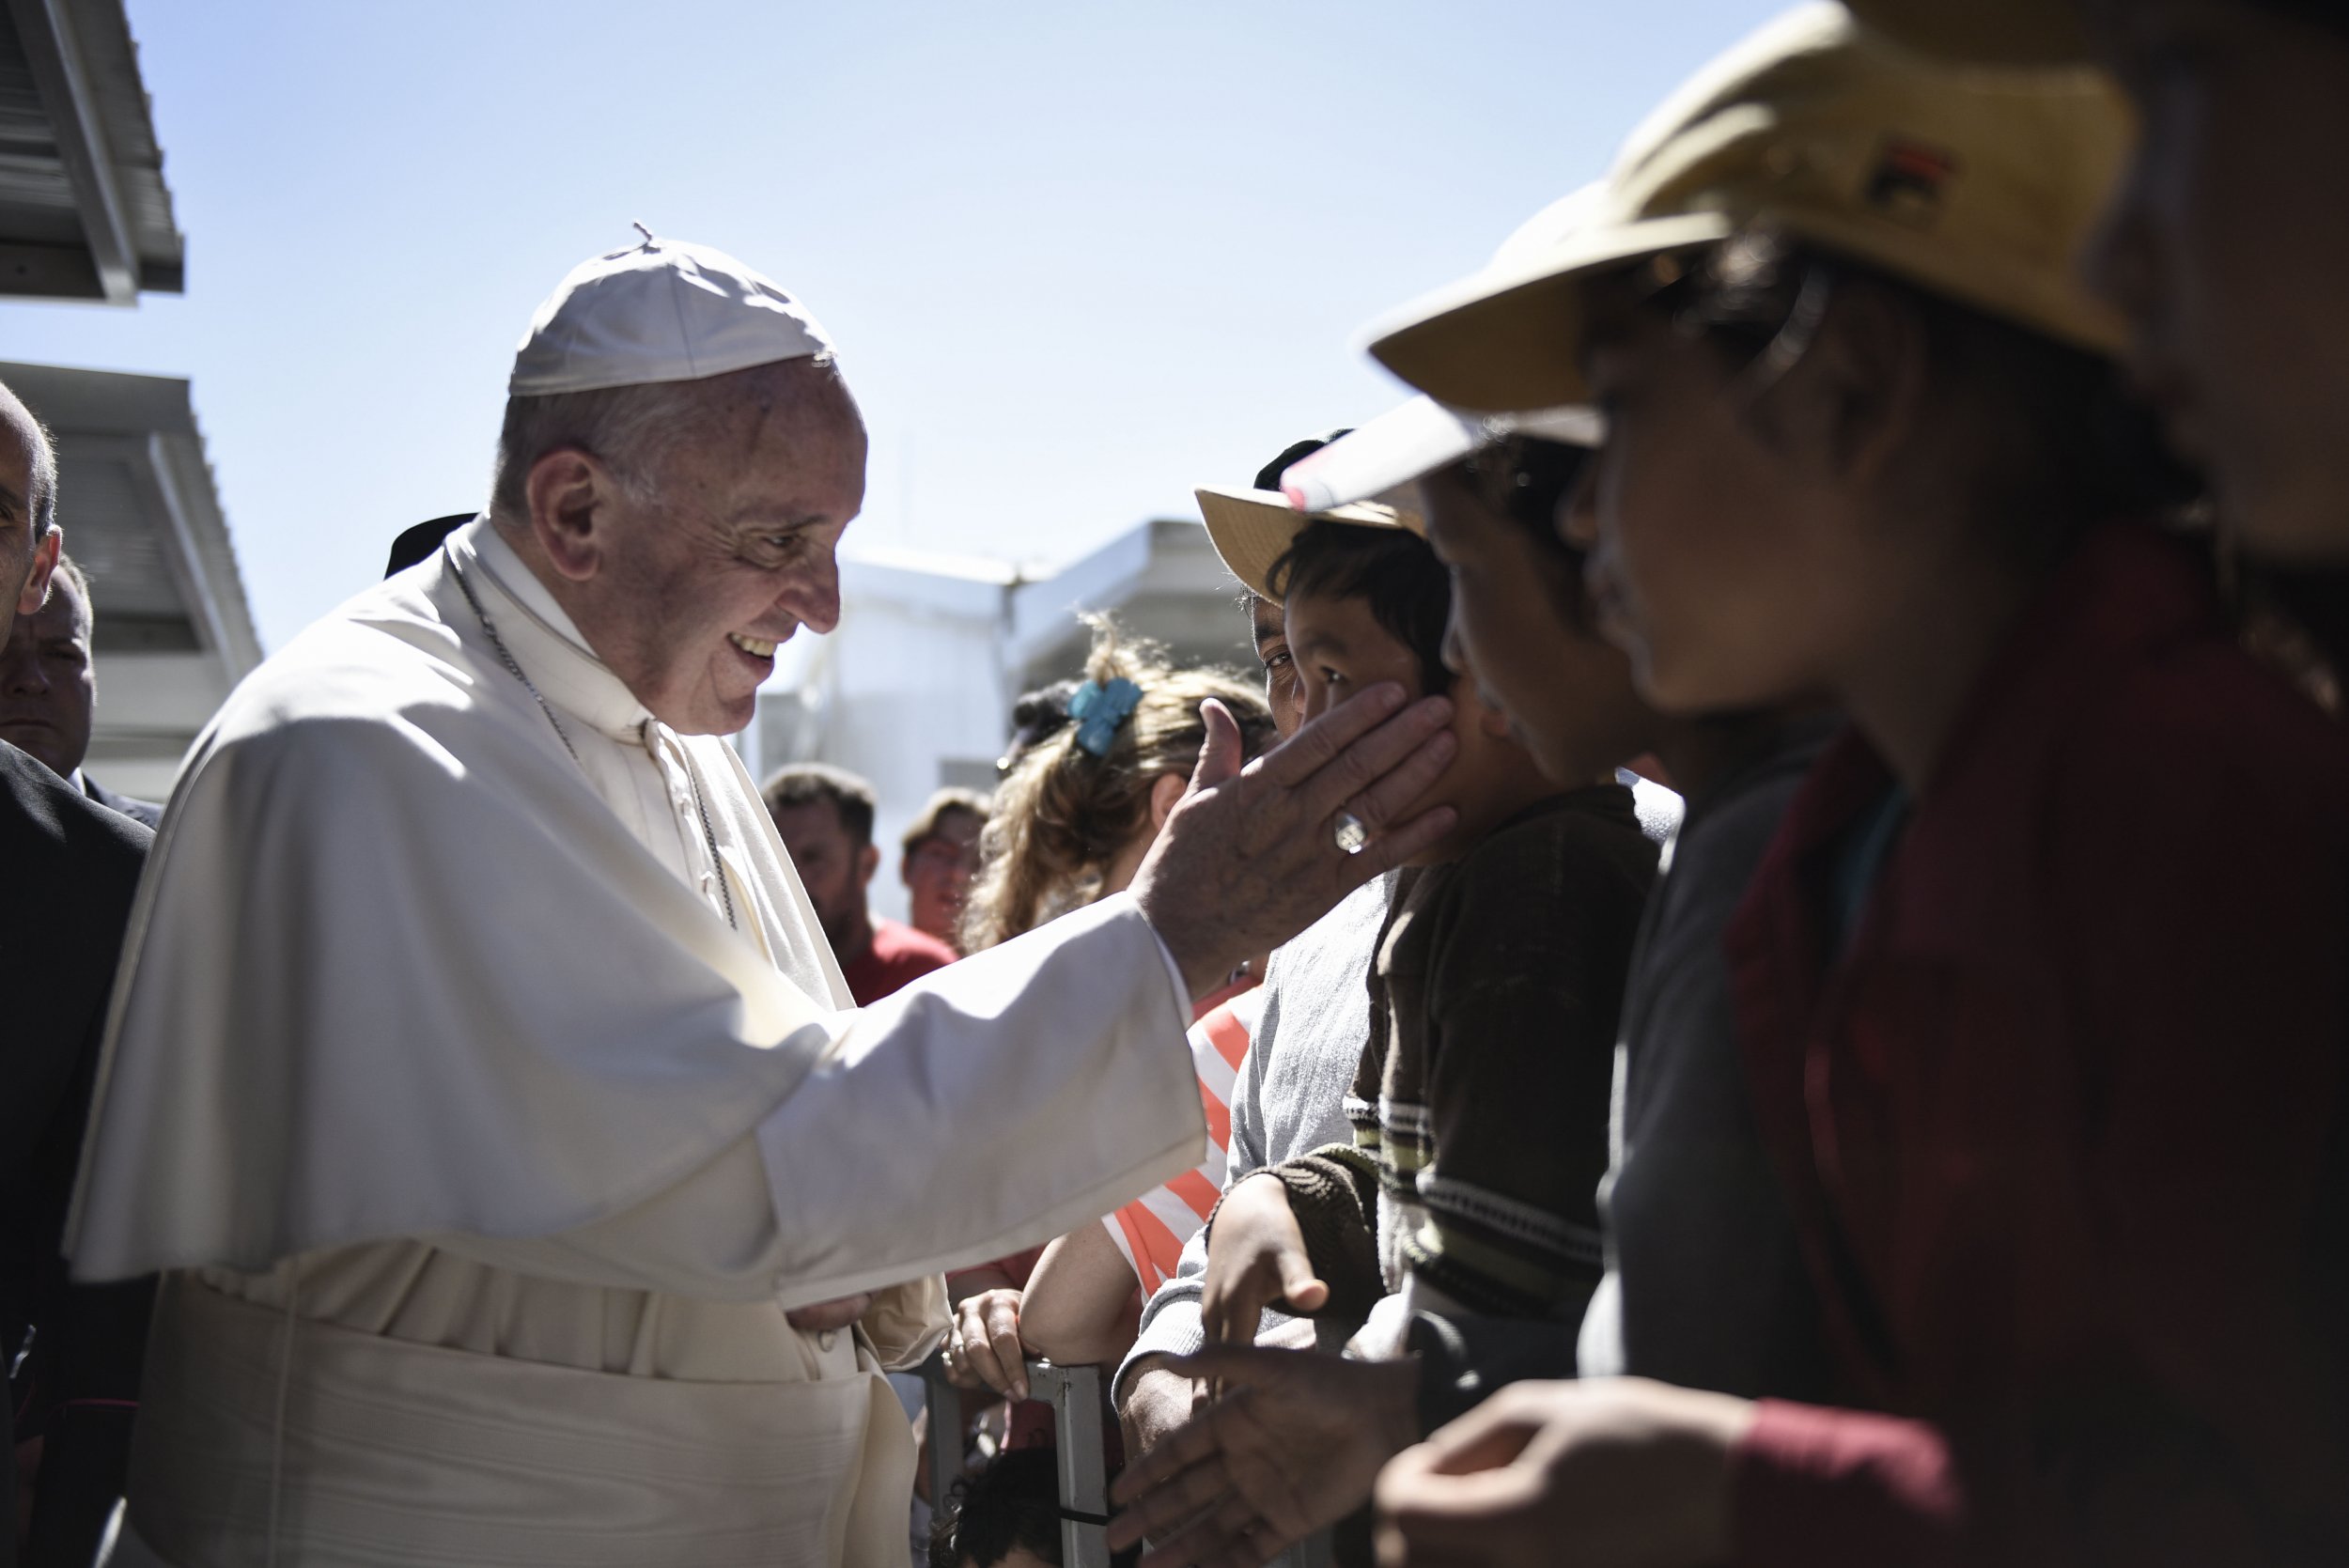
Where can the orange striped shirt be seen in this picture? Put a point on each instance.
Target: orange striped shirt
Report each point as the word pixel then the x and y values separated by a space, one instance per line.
pixel 1150 1231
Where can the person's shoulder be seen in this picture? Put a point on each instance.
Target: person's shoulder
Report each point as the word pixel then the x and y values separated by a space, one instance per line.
pixel 377 688
pixel 48 828
pixel 2210 727
pixel 909 948
pixel 1591 830
pixel 149 813
pixel 1573 860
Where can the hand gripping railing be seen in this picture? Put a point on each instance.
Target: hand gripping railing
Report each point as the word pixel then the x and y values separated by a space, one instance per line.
pixel 1075 1395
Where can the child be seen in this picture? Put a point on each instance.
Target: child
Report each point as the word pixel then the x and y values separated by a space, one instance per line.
pixel 1480 1107
pixel 1071 823
pixel 1006 1515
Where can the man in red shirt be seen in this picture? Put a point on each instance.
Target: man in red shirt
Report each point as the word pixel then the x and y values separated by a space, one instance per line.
pixel 825 815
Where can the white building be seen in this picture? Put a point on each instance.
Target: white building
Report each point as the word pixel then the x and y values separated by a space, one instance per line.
pixel 914 690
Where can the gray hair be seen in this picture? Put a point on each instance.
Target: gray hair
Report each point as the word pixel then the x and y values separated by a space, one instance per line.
pixel 629 428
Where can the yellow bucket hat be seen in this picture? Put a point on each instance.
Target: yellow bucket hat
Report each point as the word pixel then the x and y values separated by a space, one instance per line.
pixel 1978 186
pixel 1252 528
pixel 1989 32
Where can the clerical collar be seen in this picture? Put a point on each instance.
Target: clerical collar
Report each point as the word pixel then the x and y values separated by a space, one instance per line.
pixel 543 639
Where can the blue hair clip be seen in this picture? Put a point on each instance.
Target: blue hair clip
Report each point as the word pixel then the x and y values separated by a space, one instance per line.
pixel 1099 709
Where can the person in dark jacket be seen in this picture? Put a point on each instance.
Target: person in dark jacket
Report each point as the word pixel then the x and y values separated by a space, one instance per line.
pixel 49 689
pixel 72 866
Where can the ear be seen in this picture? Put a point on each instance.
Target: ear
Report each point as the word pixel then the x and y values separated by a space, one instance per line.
pixel 1166 792
pixel 1858 396
pixel 867 863
pixel 569 495
pixel 36 591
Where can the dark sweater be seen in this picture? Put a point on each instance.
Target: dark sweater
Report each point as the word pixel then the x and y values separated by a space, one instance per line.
pixel 1480 1108
pixel 1710 1289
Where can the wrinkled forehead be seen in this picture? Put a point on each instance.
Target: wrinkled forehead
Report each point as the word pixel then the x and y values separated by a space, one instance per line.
pixel 791 427
pixel 20 445
pixel 802 401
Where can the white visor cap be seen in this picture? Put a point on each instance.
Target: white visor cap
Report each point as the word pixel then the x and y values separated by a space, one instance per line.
pixel 1415 440
pixel 663 311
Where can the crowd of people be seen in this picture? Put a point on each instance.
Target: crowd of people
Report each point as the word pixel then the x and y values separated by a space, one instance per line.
pixel 1919 1135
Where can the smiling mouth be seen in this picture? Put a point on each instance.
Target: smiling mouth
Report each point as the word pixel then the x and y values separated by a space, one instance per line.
pixel 751 645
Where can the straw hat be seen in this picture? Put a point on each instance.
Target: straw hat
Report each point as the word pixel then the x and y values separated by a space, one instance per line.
pixel 1407 443
pixel 1990 32
pixel 1252 528
pixel 1977 186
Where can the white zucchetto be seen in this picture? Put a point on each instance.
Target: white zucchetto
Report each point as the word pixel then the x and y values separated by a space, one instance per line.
pixel 666 310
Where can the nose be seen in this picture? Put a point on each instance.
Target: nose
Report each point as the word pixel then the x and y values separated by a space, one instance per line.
pixel 812 596
pixel 1455 657
pixel 20 672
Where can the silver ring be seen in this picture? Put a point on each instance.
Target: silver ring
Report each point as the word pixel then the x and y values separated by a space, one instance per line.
pixel 1347 830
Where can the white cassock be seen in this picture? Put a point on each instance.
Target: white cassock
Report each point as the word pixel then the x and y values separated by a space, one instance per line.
pixel 485 1158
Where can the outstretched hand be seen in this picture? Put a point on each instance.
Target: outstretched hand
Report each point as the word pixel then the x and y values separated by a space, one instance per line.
pixel 1256 1258
pixel 1612 1472
pixel 1249 856
pixel 1292 1446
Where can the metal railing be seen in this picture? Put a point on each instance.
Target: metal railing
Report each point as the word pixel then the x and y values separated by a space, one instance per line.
pixel 1075 1395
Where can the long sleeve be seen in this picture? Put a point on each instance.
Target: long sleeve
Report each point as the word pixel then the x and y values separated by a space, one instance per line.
pixel 1525 956
pixel 1334 1193
pixel 2098 1246
pixel 980 1074
pixel 1289 1096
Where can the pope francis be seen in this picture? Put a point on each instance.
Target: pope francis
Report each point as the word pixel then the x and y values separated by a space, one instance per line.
pixel 526 1188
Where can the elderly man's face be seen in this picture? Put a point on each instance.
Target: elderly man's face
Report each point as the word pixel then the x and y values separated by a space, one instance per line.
pixel 734 553
pixel 47 688
pixel 26 559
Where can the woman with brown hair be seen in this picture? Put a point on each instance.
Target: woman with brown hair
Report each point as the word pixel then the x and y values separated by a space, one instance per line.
pixel 1080 807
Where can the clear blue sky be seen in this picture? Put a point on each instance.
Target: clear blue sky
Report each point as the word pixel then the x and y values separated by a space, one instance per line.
pixel 1078 257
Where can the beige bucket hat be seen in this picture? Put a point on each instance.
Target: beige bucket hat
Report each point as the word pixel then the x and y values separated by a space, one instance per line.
pixel 1252 528
pixel 1979 186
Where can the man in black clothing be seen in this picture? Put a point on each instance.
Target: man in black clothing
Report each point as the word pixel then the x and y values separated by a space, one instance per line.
pixel 49 688
pixel 72 867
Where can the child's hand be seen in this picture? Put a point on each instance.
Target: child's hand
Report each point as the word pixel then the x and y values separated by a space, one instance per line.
pixel 1256 1259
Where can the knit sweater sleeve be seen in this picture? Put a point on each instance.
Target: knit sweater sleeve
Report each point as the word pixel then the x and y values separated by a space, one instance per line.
pixel 1526 961
pixel 1334 1193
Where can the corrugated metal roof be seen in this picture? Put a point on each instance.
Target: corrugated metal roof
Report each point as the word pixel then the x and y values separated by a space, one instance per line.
pixel 83 210
pixel 141 514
